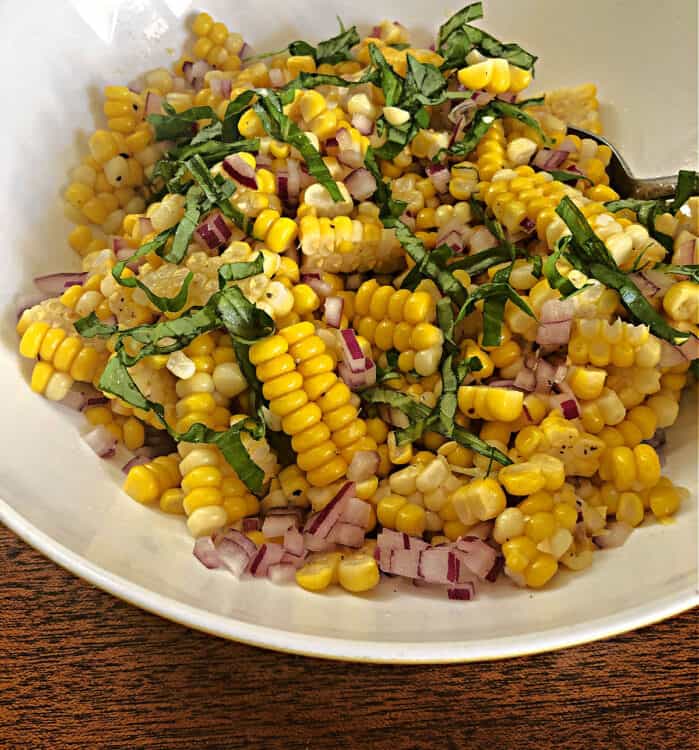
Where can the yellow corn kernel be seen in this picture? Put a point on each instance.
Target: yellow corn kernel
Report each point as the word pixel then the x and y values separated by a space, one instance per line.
pixel 387 509
pixel 319 572
pixel 647 465
pixel 358 572
pixel 541 571
pixel 410 519
pixel 479 500
pixel 522 479
pixel 134 433
pixel 171 501
pixel 630 508
pixel 142 484
pixel 664 499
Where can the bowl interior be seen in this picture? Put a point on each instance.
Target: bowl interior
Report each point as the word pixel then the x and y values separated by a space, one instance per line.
pixel 68 503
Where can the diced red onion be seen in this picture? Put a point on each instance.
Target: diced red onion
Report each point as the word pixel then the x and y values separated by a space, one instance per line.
pixel 281 573
pixel 316 544
pixel 547 159
pixel 438 565
pixel 251 524
pixel 135 461
pixel 276 78
pixel 233 556
pixel 481 239
pixel 670 355
pixel 462 113
pixel 235 166
pixel 213 231
pixel 690 348
pixel 554 334
pixel 544 372
pixel 277 525
pixel 322 523
pixel 102 442
pixel 244 542
pixel 358 380
pixel 476 555
pixel 268 554
pixel 293 541
pixel 283 186
pixel 361 184
pixel 439 176
pixel 207 554
pixel 525 380
pixel 363 124
pixel 616 533
pixel 527 225
pixel 347 534
pixel 684 254
pixel 497 568
pixel 194 73
pixel 507 96
pixel 363 465
pixel 315 280
pixel 295 560
pixel 221 87
pixel 482 98
pixel 389 539
pixel 457 130
pixel 146 450
pixel 464 592
pixel 401 562
pixel 294 180
pixel 349 153
pixel 651 283
pixel 569 406
pixel 352 353
pixel 54 284
pixel 556 310
pixel 332 311
pixel 153 103
pixel 357 512
pixel 145 226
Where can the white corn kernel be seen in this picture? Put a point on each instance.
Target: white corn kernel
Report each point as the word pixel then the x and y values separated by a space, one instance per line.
pixel 180 365
pixel 396 116
pixel 520 151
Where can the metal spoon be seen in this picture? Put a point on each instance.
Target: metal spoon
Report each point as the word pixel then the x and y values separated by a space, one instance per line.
pixel 622 180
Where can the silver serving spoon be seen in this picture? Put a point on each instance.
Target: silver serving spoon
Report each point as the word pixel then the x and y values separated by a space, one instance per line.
pixel 622 180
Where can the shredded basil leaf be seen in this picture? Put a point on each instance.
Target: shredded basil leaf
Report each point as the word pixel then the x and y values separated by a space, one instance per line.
pixel 553 276
pixel 447 402
pixel 492 47
pixel 691 270
pixel 593 256
pixel 281 127
pixel 234 111
pixel 175 126
pixel 389 81
pixel 241 270
pixel 424 84
pixel 471 12
pixel 193 208
pixel 409 406
pixel 476 444
pixel 331 51
pixel 563 175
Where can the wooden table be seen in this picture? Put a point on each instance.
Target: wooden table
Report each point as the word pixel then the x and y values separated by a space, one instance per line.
pixel 81 669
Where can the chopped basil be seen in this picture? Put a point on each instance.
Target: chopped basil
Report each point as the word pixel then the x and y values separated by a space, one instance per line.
pixel 409 406
pixel 687 186
pixel 234 111
pixel 331 51
pixel 484 118
pixel 424 84
pixel 244 321
pixel 91 327
pixel 388 80
pixel 213 151
pixel 218 193
pixel 476 444
pixel 447 402
pixel 563 175
pixel 592 255
pixel 281 127
pixel 691 270
pixel 471 12
pixel 193 208
pixel 554 278
pixel 482 260
pixel 492 47
pixel 241 270
pixel 390 372
pixel 175 126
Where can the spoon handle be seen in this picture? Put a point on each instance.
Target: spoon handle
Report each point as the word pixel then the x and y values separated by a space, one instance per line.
pixel 654 188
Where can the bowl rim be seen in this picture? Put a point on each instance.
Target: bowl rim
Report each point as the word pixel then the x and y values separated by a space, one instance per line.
pixel 342 649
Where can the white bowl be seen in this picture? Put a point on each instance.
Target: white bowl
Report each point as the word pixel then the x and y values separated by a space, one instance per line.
pixel 68 504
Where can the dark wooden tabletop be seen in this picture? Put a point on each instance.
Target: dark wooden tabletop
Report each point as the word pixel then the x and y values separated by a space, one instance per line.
pixel 81 669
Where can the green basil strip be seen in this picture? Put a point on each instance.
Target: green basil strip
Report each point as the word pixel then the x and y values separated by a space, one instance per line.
pixel 92 327
pixel 637 304
pixel 242 355
pixel 234 111
pixel 593 256
pixel 193 209
pixel 427 262
pixel 117 381
pixel 447 402
pixel 331 51
pixel 687 186
pixel 409 406
pixel 414 431
pixel 492 47
pixel 471 12
pixel 691 270
pixel 242 270
pixel 244 321
pixel 281 127
pixel 646 214
pixel 218 195
pixel 213 152
pixel 482 260
pixel 445 318
pixel 174 126
pixel 424 84
pixel 230 443
pixel 563 175
pixel 476 444
pixel 389 81
pixel 553 276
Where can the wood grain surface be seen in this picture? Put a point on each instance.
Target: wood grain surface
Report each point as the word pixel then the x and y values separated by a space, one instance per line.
pixel 81 669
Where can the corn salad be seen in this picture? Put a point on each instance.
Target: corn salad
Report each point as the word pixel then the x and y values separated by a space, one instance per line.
pixel 366 307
